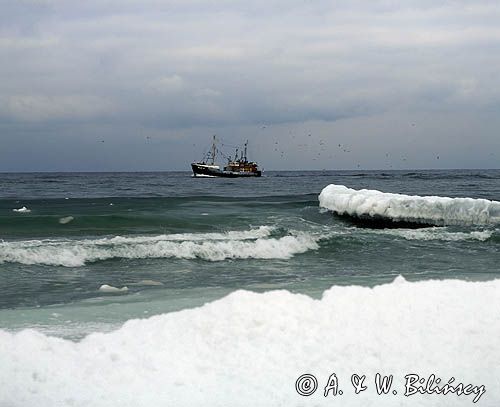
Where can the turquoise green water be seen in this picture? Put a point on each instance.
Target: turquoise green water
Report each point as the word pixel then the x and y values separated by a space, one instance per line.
pixel 176 242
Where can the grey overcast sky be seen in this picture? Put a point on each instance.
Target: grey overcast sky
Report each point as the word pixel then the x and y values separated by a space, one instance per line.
pixel 122 85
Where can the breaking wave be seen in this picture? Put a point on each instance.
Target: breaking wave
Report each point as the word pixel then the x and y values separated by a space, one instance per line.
pixel 256 243
pixel 250 348
pixel 427 210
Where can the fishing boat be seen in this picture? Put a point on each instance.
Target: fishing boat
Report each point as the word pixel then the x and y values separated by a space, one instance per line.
pixel 238 166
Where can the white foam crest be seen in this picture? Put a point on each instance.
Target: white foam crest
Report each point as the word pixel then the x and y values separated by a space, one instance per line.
pixel 410 208
pixel 438 233
pixel 250 348
pixel 208 246
pixel 261 231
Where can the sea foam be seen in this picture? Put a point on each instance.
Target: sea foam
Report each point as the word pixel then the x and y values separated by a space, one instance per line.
pixel 66 219
pixel 109 289
pixel 254 243
pixel 249 349
pixel 434 210
pixel 22 210
pixel 438 233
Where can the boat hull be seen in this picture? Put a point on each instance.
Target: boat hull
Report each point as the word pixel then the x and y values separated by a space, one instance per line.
pixel 200 170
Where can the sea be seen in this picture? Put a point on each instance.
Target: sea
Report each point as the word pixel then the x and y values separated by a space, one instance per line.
pixel 149 288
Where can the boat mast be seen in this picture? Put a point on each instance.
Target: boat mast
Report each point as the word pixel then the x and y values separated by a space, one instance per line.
pixel 213 151
pixel 246 144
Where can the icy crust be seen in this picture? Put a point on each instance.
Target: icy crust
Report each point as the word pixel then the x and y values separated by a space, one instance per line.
pixel 248 349
pixel 409 208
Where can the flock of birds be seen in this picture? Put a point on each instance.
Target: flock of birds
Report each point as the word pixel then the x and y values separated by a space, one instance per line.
pixel 323 148
pixel 308 141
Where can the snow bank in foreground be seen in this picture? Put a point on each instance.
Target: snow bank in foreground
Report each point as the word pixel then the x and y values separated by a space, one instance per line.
pixel 248 349
pixel 409 208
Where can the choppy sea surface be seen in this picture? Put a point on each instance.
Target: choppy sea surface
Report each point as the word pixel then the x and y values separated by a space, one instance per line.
pixel 177 242
pixel 160 289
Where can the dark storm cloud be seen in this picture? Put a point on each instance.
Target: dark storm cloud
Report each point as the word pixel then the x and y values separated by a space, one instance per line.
pixel 78 72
